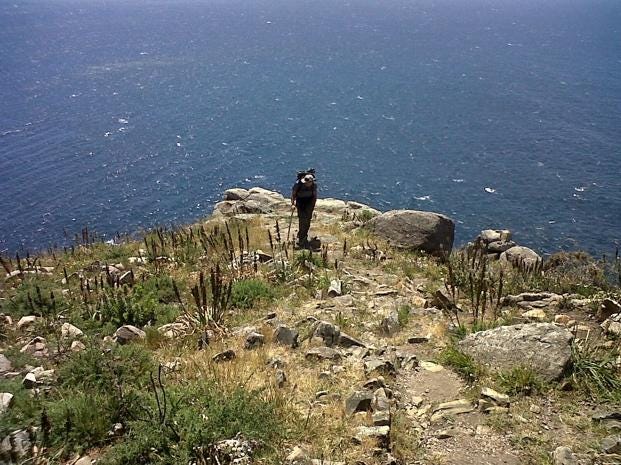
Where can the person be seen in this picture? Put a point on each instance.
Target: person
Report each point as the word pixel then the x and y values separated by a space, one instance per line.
pixel 303 198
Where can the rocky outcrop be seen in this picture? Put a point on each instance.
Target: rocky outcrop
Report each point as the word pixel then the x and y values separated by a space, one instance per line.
pixel 415 230
pixel 238 201
pixel 543 347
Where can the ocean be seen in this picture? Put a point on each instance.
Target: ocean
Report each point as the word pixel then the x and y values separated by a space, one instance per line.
pixel 122 115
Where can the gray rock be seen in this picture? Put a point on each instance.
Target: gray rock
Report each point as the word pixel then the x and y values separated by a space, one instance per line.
pixel 500 246
pixel 359 401
pixel 611 420
pixel 236 193
pixel 68 330
pixel 336 288
pixel 172 330
pixel 498 398
pixel 5 364
pixel 390 324
pixel 345 340
pixel 520 254
pixel 29 381
pixel 380 433
pixel 495 235
pixel 564 456
pixel 328 332
pixel 611 445
pixel 280 377
pixel 253 340
pixel 224 356
pixel 18 444
pixel 6 399
pixel 543 347
pixel 379 366
pixel 286 336
pixel 608 308
pixel 26 321
pixel 129 333
pixel 86 460
pixel 323 353
pixel 415 230
pixel 612 325
pixel 36 347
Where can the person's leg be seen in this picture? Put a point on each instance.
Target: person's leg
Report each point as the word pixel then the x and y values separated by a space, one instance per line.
pixel 305 213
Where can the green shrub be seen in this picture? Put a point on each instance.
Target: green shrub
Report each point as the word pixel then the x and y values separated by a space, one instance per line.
pixel 248 292
pixel 122 307
pixel 198 415
pixel 519 381
pixel 403 313
pixel 461 363
pixel 97 370
pixel 594 371
pixel 25 409
pixel 80 420
pixel 159 287
pixel 34 297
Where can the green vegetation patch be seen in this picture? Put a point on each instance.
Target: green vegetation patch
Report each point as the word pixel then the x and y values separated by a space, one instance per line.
pixel 247 293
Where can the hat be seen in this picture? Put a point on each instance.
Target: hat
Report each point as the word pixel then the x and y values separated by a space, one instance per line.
pixel 308 178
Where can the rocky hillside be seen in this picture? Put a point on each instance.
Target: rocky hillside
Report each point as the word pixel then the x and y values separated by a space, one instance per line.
pixel 220 343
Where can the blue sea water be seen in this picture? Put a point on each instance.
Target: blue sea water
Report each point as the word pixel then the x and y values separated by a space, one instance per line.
pixel 126 114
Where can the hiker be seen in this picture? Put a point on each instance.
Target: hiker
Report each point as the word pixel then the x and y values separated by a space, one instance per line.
pixel 303 198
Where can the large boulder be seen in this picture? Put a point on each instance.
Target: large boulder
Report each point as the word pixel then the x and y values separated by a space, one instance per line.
pixel 415 230
pixel 519 254
pixel 543 347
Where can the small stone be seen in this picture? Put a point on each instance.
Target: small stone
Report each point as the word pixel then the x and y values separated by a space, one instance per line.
pixel 536 314
pixel 381 418
pixel 345 340
pixel 86 460
pixel 29 381
pixel 430 366
pixel 323 353
pixel 564 456
pixel 327 332
pixel 225 356
pixel 5 364
pixel 390 324
pixel 374 384
pixel 445 434
pixel 375 365
pixel 378 432
pixel 455 407
pixel 497 397
pixel 336 288
pixel 562 319
pixel 5 401
pixel 129 333
pixel 17 444
pixel 608 308
pixel 275 362
pixel 253 340
pixel 26 321
pixel 68 330
pixel 296 456
pixel 416 401
pixel 286 336
pixel 611 445
pixel 358 401
pixel 172 330
pixel 535 409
